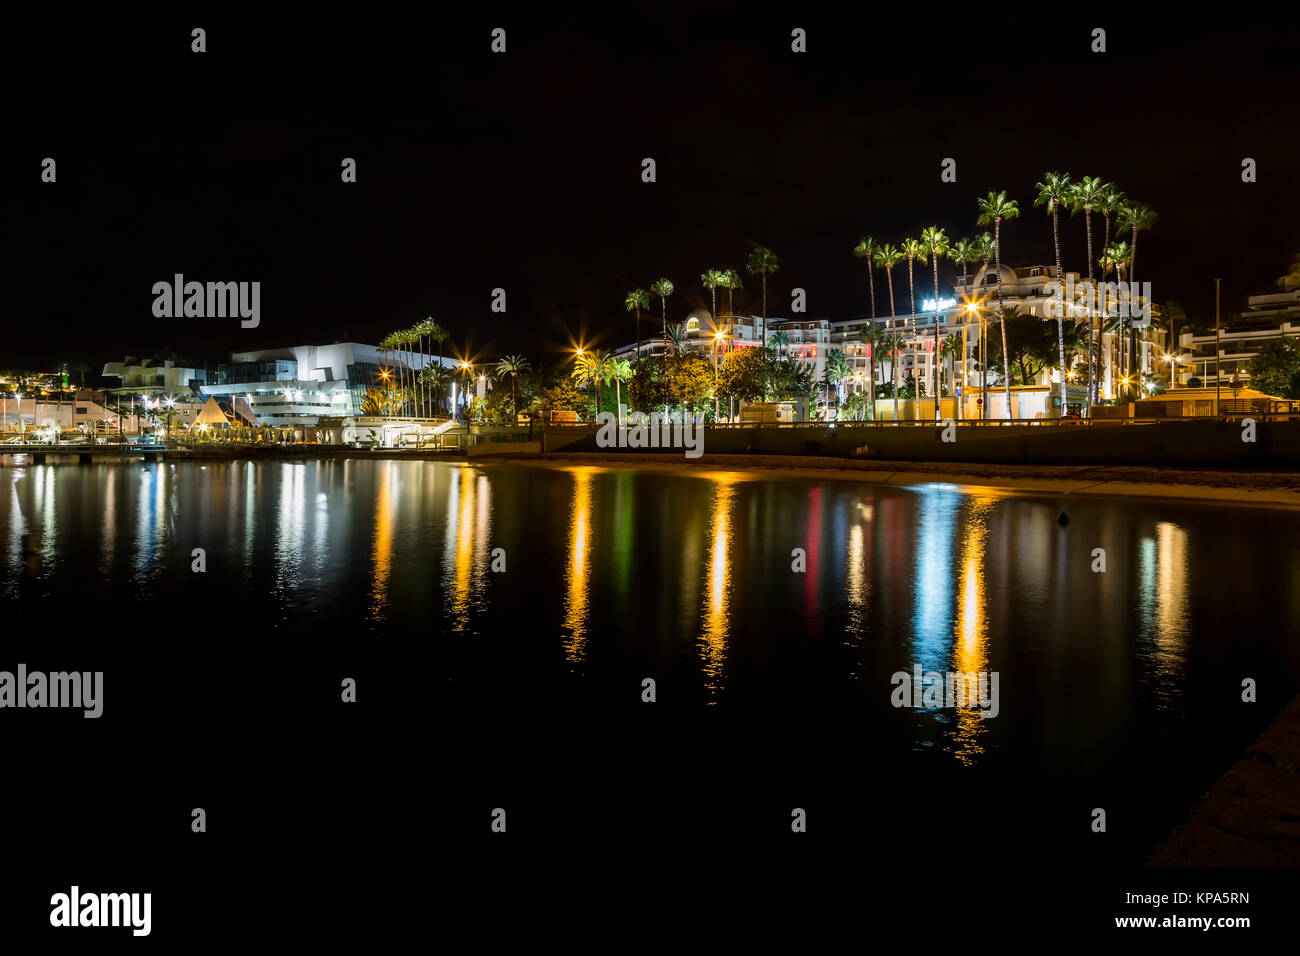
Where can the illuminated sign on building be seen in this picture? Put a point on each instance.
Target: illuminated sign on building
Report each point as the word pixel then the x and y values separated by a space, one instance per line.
pixel 927 305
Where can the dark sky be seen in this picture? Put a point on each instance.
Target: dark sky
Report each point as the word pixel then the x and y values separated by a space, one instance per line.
pixel 523 171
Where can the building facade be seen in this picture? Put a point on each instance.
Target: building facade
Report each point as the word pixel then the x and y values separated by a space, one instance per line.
pixel 302 384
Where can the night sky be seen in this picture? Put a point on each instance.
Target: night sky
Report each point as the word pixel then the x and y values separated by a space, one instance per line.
pixel 523 170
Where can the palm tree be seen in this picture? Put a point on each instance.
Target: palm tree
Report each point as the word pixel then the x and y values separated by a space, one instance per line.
pixel 1116 257
pixel 934 239
pixel 663 288
pixel 1135 216
pixel 1112 201
pixel 620 370
pixel 512 365
pixel 712 278
pixel 436 376
pixel 677 336
pixel 781 341
pixel 593 367
pixel 893 344
pixel 1053 192
pixel 867 249
pixel 837 369
pixel 952 348
pixel 1084 195
pixel 988 249
pixel 731 279
pixel 871 335
pixel 431 331
pixel 994 209
pixel 964 252
pixel 763 261
pixel 887 257
pixel 636 300
pixel 914 249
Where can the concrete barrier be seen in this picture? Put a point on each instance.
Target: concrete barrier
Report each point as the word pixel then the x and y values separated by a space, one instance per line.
pixel 504 448
pixel 1197 442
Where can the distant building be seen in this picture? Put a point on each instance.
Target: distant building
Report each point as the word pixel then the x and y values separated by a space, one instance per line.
pixel 1267 317
pixel 153 378
pixel 302 384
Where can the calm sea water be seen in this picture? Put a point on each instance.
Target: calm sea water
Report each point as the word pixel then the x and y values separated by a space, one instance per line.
pixel 504 617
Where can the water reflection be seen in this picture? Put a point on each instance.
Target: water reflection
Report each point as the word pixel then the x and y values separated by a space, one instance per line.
pixel 577 587
pixel 932 622
pixel 1163 559
pixel 713 641
pixel 468 528
pixel 970 645
pixel 382 550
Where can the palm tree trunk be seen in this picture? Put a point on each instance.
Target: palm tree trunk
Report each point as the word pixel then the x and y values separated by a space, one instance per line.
pixel 984 359
pixel 965 316
pixel 871 373
pixel 893 346
pixel 1006 355
pixel 762 334
pixel 916 382
pixel 1092 317
pixel 1132 340
pixel 1060 313
pixel 934 266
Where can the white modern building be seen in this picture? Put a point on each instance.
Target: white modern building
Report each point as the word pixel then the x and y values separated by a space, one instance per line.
pixel 302 384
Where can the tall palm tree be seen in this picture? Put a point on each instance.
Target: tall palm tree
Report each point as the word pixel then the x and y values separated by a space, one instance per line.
pixel 436 376
pixel 866 249
pixel 914 249
pixel 636 300
pixel 1136 216
pixel 893 343
pixel 994 209
pixel 731 279
pixel 1053 192
pixel 431 332
pixel 963 252
pixel 1084 196
pixel 952 347
pixel 781 341
pixel 763 261
pixel 837 369
pixel 620 370
pixel 1112 201
pixel 934 239
pixel 663 288
pixel 871 336
pixel 887 257
pixel 712 278
pixel 512 365
pixel 988 249
pixel 1116 257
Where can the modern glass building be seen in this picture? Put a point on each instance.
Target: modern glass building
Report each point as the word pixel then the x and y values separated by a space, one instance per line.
pixel 303 384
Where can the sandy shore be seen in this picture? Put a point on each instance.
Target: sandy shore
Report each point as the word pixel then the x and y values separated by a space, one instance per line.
pixel 1241 487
